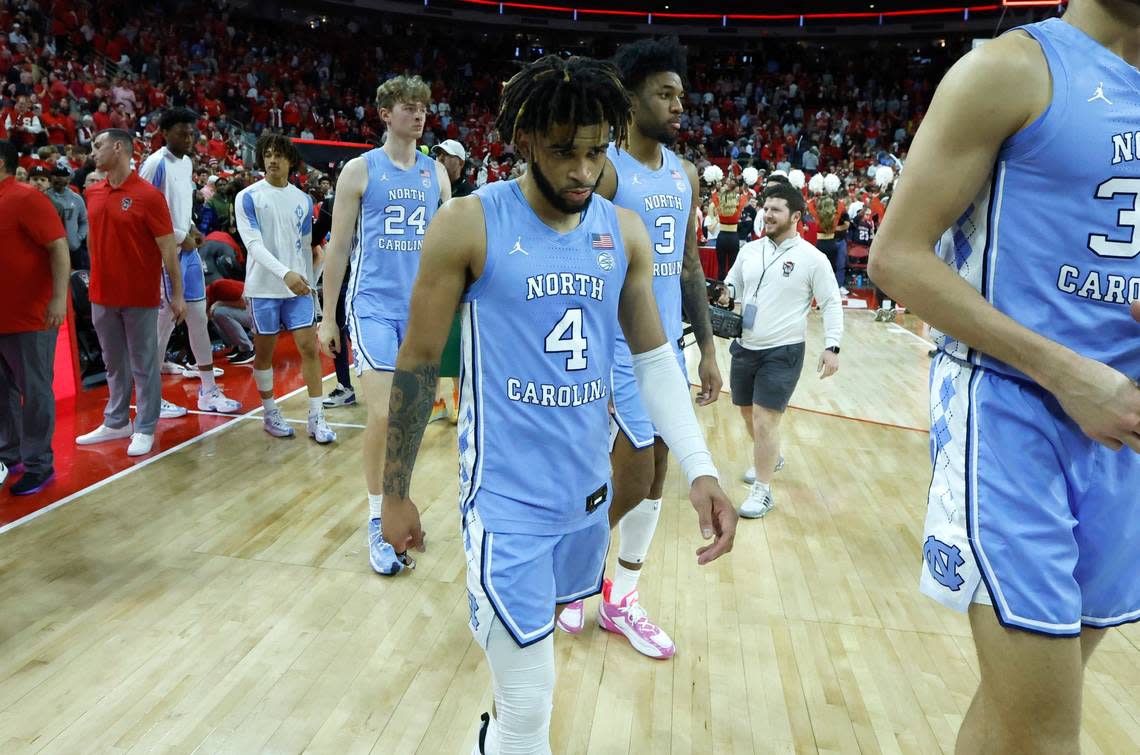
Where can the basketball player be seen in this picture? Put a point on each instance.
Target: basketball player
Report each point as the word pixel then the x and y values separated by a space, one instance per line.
pixel 545 275
pixel 171 171
pixel 1028 156
pixel 644 175
pixel 275 220
pixel 385 200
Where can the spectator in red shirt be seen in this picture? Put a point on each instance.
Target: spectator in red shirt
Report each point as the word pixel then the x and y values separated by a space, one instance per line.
pixel 33 304
pixel 102 118
pixel 130 239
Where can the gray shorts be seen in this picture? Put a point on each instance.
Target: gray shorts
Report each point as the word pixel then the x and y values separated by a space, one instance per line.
pixel 765 377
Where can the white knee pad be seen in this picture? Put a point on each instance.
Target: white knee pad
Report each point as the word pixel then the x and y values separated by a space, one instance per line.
pixel 263 379
pixel 197 323
pixel 636 531
pixel 524 694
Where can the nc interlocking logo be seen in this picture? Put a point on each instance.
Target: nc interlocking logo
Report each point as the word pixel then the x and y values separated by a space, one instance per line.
pixel 943 561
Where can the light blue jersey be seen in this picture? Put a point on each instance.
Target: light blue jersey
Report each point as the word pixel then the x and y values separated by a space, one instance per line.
pixel 395 210
pixel 663 199
pixel 538 335
pixel 1025 511
pixel 1054 240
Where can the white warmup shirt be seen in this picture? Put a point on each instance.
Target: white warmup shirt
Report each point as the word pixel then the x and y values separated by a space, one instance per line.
pixel 277 228
pixel 174 177
pixel 781 282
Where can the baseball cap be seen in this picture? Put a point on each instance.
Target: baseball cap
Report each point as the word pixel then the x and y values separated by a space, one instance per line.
pixel 451 147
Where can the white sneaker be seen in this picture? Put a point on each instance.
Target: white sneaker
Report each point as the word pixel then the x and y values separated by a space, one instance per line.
pixel 3 473
pixel 843 290
pixel 758 503
pixel 319 430
pixel 276 424
pixel 192 371
pixel 171 411
pixel 172 368
pixel 102 434
pixel 141 443
pixel 215 401
pixel 750 476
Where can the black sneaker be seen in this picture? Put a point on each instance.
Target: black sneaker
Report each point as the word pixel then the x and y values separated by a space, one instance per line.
pixel 242 356
pixel 341 396
pixel 32 483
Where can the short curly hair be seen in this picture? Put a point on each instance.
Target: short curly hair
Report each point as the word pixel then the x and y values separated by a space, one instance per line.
pixel 402 89
pixel 280 144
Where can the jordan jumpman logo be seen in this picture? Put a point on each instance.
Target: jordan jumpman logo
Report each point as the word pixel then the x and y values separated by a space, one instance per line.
pixel 1099 94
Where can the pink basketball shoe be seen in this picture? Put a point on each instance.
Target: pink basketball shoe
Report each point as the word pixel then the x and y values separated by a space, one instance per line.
pixel 627 617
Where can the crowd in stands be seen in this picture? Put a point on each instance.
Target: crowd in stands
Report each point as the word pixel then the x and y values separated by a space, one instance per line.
pixel 71 68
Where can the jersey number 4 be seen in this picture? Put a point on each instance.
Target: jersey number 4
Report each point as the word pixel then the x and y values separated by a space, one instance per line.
pixel 396 220
pixel 566 336
pixel 1128 218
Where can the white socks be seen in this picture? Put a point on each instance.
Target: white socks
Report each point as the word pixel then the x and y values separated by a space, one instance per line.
pixel 625 582
pixel 315 407
pixel 270 404
pixel 374 504
pixel 208 381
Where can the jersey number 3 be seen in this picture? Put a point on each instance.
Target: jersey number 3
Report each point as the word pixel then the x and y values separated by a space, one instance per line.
pixel 566 336
pixel 1128 218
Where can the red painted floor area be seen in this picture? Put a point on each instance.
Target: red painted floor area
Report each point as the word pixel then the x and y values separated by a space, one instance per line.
pixel 78 467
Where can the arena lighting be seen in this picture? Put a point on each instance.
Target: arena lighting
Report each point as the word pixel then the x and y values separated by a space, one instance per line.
pixel 725 17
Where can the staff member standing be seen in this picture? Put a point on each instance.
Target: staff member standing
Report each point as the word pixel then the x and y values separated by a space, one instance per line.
pixel 131 239
pixel 777 277
pixel 33 303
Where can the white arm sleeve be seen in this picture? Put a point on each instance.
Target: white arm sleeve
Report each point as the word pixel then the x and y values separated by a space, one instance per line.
pixel 665 393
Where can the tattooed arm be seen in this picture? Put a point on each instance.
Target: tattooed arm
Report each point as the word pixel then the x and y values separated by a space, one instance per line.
pixel 694 300
pixel 451 257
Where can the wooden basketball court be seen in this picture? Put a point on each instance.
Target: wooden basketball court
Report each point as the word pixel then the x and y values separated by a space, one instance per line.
pixel 220 600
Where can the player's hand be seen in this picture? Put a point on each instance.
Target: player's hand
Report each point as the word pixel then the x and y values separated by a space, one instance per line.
pixel 1103 402
pixel 55 312
pixel 328 336
pixel 828 364
pixel 188 243
pixel 178 309
pixel 717 518
pixel 297 283
pixel 711 381
pixel 400 524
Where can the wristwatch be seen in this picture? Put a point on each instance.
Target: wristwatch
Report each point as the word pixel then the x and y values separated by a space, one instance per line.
pixel 832 349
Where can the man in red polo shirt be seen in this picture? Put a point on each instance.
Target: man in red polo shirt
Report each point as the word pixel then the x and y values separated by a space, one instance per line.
pixel 130 239
pixel 33 302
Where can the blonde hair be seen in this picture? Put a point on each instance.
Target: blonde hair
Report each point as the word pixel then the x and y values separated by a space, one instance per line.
pixel 402 89
pixel 825 208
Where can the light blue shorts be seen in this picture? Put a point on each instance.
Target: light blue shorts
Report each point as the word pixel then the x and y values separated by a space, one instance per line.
pixel 630 416
pixel 1025 511
pixel 375 342
pixel 518 579
pixel 294 313
pixel 193 279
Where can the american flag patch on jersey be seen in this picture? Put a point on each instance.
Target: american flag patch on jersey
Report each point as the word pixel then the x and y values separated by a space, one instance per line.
pixel 601 241
pixel 424 172
pixel 676 175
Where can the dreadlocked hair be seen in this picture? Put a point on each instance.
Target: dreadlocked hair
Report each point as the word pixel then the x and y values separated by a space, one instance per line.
pixel 574 92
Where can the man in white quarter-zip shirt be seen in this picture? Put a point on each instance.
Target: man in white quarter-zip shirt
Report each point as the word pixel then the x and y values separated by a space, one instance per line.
pixel 275 220
pixel 775 280
pixel 170 170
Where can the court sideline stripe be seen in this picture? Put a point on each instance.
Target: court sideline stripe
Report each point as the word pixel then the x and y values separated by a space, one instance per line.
pixel 145 462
